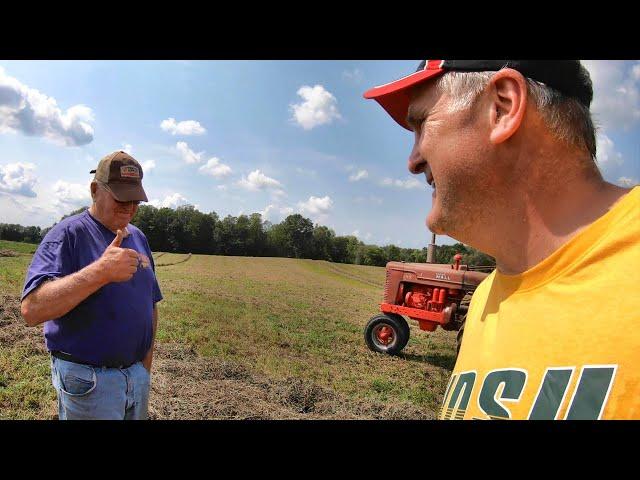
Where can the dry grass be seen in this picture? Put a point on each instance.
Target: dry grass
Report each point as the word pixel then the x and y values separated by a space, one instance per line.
pixel 243 337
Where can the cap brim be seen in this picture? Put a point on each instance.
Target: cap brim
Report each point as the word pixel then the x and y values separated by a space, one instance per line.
pixel 394 97
pixel 127 192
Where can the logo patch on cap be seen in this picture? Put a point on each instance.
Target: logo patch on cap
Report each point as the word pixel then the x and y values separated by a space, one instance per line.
pixel 129 171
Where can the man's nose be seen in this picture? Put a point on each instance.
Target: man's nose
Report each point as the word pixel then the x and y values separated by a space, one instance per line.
pixel 416 163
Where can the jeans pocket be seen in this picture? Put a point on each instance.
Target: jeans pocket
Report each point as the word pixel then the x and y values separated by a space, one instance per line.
pixel 75 379
pixel 145 371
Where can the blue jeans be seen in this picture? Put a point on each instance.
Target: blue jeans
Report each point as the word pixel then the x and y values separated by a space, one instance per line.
pixel 100 393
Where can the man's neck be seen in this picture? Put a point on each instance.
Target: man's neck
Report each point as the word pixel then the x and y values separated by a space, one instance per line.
pixel 94 213
pixel 547 198
pixel 549 224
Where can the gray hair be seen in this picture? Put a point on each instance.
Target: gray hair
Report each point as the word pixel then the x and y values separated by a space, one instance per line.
pixel 567 118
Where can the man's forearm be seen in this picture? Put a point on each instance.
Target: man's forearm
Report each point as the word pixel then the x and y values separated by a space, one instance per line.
pixel 54 299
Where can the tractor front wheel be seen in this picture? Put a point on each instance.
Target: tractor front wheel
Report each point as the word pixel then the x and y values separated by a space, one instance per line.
pixel 387 333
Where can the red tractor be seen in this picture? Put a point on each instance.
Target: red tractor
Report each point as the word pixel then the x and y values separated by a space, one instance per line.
pixel 433 294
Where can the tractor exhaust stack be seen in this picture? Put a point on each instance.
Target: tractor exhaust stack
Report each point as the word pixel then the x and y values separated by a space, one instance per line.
pixel 431 249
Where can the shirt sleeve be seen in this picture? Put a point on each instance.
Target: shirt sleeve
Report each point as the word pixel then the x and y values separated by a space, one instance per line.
pixel 51 260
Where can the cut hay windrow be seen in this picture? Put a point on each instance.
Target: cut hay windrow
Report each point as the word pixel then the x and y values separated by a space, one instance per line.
pixel 340 271
pixel 174 263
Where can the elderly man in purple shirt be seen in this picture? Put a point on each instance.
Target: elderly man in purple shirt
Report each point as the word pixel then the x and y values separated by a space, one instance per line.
pixel 92 280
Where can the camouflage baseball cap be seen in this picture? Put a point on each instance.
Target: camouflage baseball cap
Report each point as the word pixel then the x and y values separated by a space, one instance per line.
pixel 121 174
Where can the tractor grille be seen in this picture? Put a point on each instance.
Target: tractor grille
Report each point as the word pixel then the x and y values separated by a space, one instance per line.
pixel 386 286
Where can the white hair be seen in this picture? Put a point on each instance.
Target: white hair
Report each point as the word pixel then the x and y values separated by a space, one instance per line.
pixel 567 118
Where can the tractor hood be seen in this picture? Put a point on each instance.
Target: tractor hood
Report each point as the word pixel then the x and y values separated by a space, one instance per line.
pixel 443 275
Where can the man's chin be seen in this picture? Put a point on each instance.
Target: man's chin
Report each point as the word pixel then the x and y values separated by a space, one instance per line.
pixel 436 224
pixel 121 224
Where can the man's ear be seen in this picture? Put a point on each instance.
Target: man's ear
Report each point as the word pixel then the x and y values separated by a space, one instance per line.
pixel 508 100
pixel 93 188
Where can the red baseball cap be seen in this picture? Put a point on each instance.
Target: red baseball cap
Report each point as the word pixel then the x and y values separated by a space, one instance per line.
pixel 394 97
pixel 567 76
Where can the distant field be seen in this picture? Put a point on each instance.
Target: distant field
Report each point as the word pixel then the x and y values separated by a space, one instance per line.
pixel 243 337
pixel 19 247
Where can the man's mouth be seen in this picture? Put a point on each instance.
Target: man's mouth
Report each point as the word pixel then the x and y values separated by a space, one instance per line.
pixel 430 180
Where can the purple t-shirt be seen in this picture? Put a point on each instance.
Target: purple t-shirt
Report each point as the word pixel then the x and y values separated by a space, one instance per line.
pixel 112 326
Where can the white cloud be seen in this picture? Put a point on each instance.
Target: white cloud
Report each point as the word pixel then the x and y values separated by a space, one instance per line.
pixel 358 175
pixel 186 127
pixel 258 181
pixel 354 76
pixel 275 213
pixel 18 178
pixel 148 166
pixel 222 187
pixel 26 212
pixel 616 96
pixel 628 182
pixel 318 108
pixel 605 151
pixel 356 233
pixel 316 205
pixel 188 155
pixel 408 184
pixel 171 201
pixel 215 168
pixel 26 110
pixel 71 194
pixel 127 148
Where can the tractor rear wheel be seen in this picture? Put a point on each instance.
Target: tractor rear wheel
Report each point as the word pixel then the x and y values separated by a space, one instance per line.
pixel 387 333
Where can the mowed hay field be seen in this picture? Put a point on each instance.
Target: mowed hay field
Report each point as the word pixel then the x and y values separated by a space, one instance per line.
pixel 244 337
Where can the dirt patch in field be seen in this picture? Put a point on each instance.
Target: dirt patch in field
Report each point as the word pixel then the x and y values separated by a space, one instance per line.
pixel 8 253
pixel 186 386
pixel 14 332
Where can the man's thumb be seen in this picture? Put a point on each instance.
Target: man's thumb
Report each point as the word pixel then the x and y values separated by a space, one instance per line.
pixel 118 240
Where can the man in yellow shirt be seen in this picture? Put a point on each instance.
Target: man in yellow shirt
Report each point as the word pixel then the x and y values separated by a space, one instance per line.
pixel 509 148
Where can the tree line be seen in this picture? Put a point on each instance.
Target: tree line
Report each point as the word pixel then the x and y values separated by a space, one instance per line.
pixel 187 230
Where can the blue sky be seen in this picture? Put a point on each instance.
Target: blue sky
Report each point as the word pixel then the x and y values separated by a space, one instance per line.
pixel 275 137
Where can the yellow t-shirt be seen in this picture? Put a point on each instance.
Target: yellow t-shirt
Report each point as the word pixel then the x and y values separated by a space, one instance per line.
pixel 561 340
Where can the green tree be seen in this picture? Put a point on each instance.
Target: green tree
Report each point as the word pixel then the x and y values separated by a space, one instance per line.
pixel 393 253
pixel 256 236
pixel 323 238
pixel 374 256
pixel 298 236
